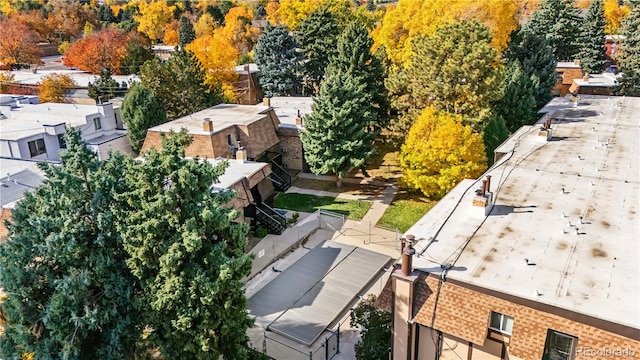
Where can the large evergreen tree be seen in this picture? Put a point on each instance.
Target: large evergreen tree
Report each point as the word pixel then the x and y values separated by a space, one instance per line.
pixel 629 56
pixel 278 59
pixel 494 133
pixel 179 84
pixel 318 39
pixel 537 61
pixel 140 111
pixel 70 292
pixel 354 57
pixel 559 22
pixel 336 137
pixel 186 33
pixel 518 105
pixel 456 70
pixel 592 50
pixel 187 253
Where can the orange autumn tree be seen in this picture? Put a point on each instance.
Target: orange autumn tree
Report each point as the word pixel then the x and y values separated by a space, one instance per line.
pixel 18 44
pixel 104 49
pixel 171 33
pixel 238 30
pixel 68 18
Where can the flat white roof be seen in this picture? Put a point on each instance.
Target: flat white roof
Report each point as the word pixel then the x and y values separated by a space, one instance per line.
pixel 81 78
pixel 286 108
pixel 567 64
pixel 598 80
pixel 26 120
pixel 238 170
pixel 569 206
pixel 222 116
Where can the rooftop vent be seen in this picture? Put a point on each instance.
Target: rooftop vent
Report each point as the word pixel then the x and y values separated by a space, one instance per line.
pixel 407 255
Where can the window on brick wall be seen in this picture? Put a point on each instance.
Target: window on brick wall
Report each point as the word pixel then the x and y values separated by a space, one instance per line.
pixel 501 323
pixel 559 346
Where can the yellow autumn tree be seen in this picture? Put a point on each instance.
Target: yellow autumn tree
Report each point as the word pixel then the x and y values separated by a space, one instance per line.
pixel 440 152
pixel 614 13
pixel 205 25
pixel 290 13
pixel 238 30
pixel 153 18
pixel 413 18
pixel 54 87
pixel 218 57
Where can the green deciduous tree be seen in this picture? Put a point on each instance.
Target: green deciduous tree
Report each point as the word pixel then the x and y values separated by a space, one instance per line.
pixel 186 32
pixel 440 152
pixel 518 105
pixel 179 84
pixel 537 62
pixel 187 254
pixel 374 325
pixel 354 58
pixel 456 70
pixel 137 52
pixel 278 60
pixel 318 39
pixel 140 111
pixel 336 137
pixel 559 22
pixel 629 56
pixel 70 293
pixel 592 50
pixel 105 87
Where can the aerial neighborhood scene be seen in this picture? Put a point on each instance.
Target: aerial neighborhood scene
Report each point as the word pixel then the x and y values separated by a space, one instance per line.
pixel 320 179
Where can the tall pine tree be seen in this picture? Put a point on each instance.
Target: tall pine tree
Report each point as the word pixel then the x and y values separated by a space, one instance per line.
pixel 537 61
pixel 629 55
pixel 186 33
pixel 592 50
pixel 559 22
pixel 336 137
pixel 518 105
pixel 187 254
pixel 63 266
pixel 318 39
pixel 278 60
pixel 354 57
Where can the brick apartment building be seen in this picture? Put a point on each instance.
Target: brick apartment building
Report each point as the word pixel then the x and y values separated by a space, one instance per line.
pixel 538 259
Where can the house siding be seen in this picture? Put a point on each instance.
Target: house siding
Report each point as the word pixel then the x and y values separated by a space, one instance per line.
pixel 464 313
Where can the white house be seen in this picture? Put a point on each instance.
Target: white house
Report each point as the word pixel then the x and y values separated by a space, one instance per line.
pixel 35 131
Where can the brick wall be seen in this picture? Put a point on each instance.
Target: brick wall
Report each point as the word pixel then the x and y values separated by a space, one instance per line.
pixel 464 313
pixel 290 139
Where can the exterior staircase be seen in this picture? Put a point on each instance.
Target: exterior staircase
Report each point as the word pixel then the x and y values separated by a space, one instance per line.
pixel 270 219
pixel 280 177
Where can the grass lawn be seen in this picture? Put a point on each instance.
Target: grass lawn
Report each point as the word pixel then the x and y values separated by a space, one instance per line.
pixel 405 210
pixel 309 203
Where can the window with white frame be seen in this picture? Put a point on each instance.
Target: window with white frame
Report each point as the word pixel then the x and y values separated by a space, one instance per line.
pixel 501 323
pixel 36 147
pixel 97 124
pixel 559 346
